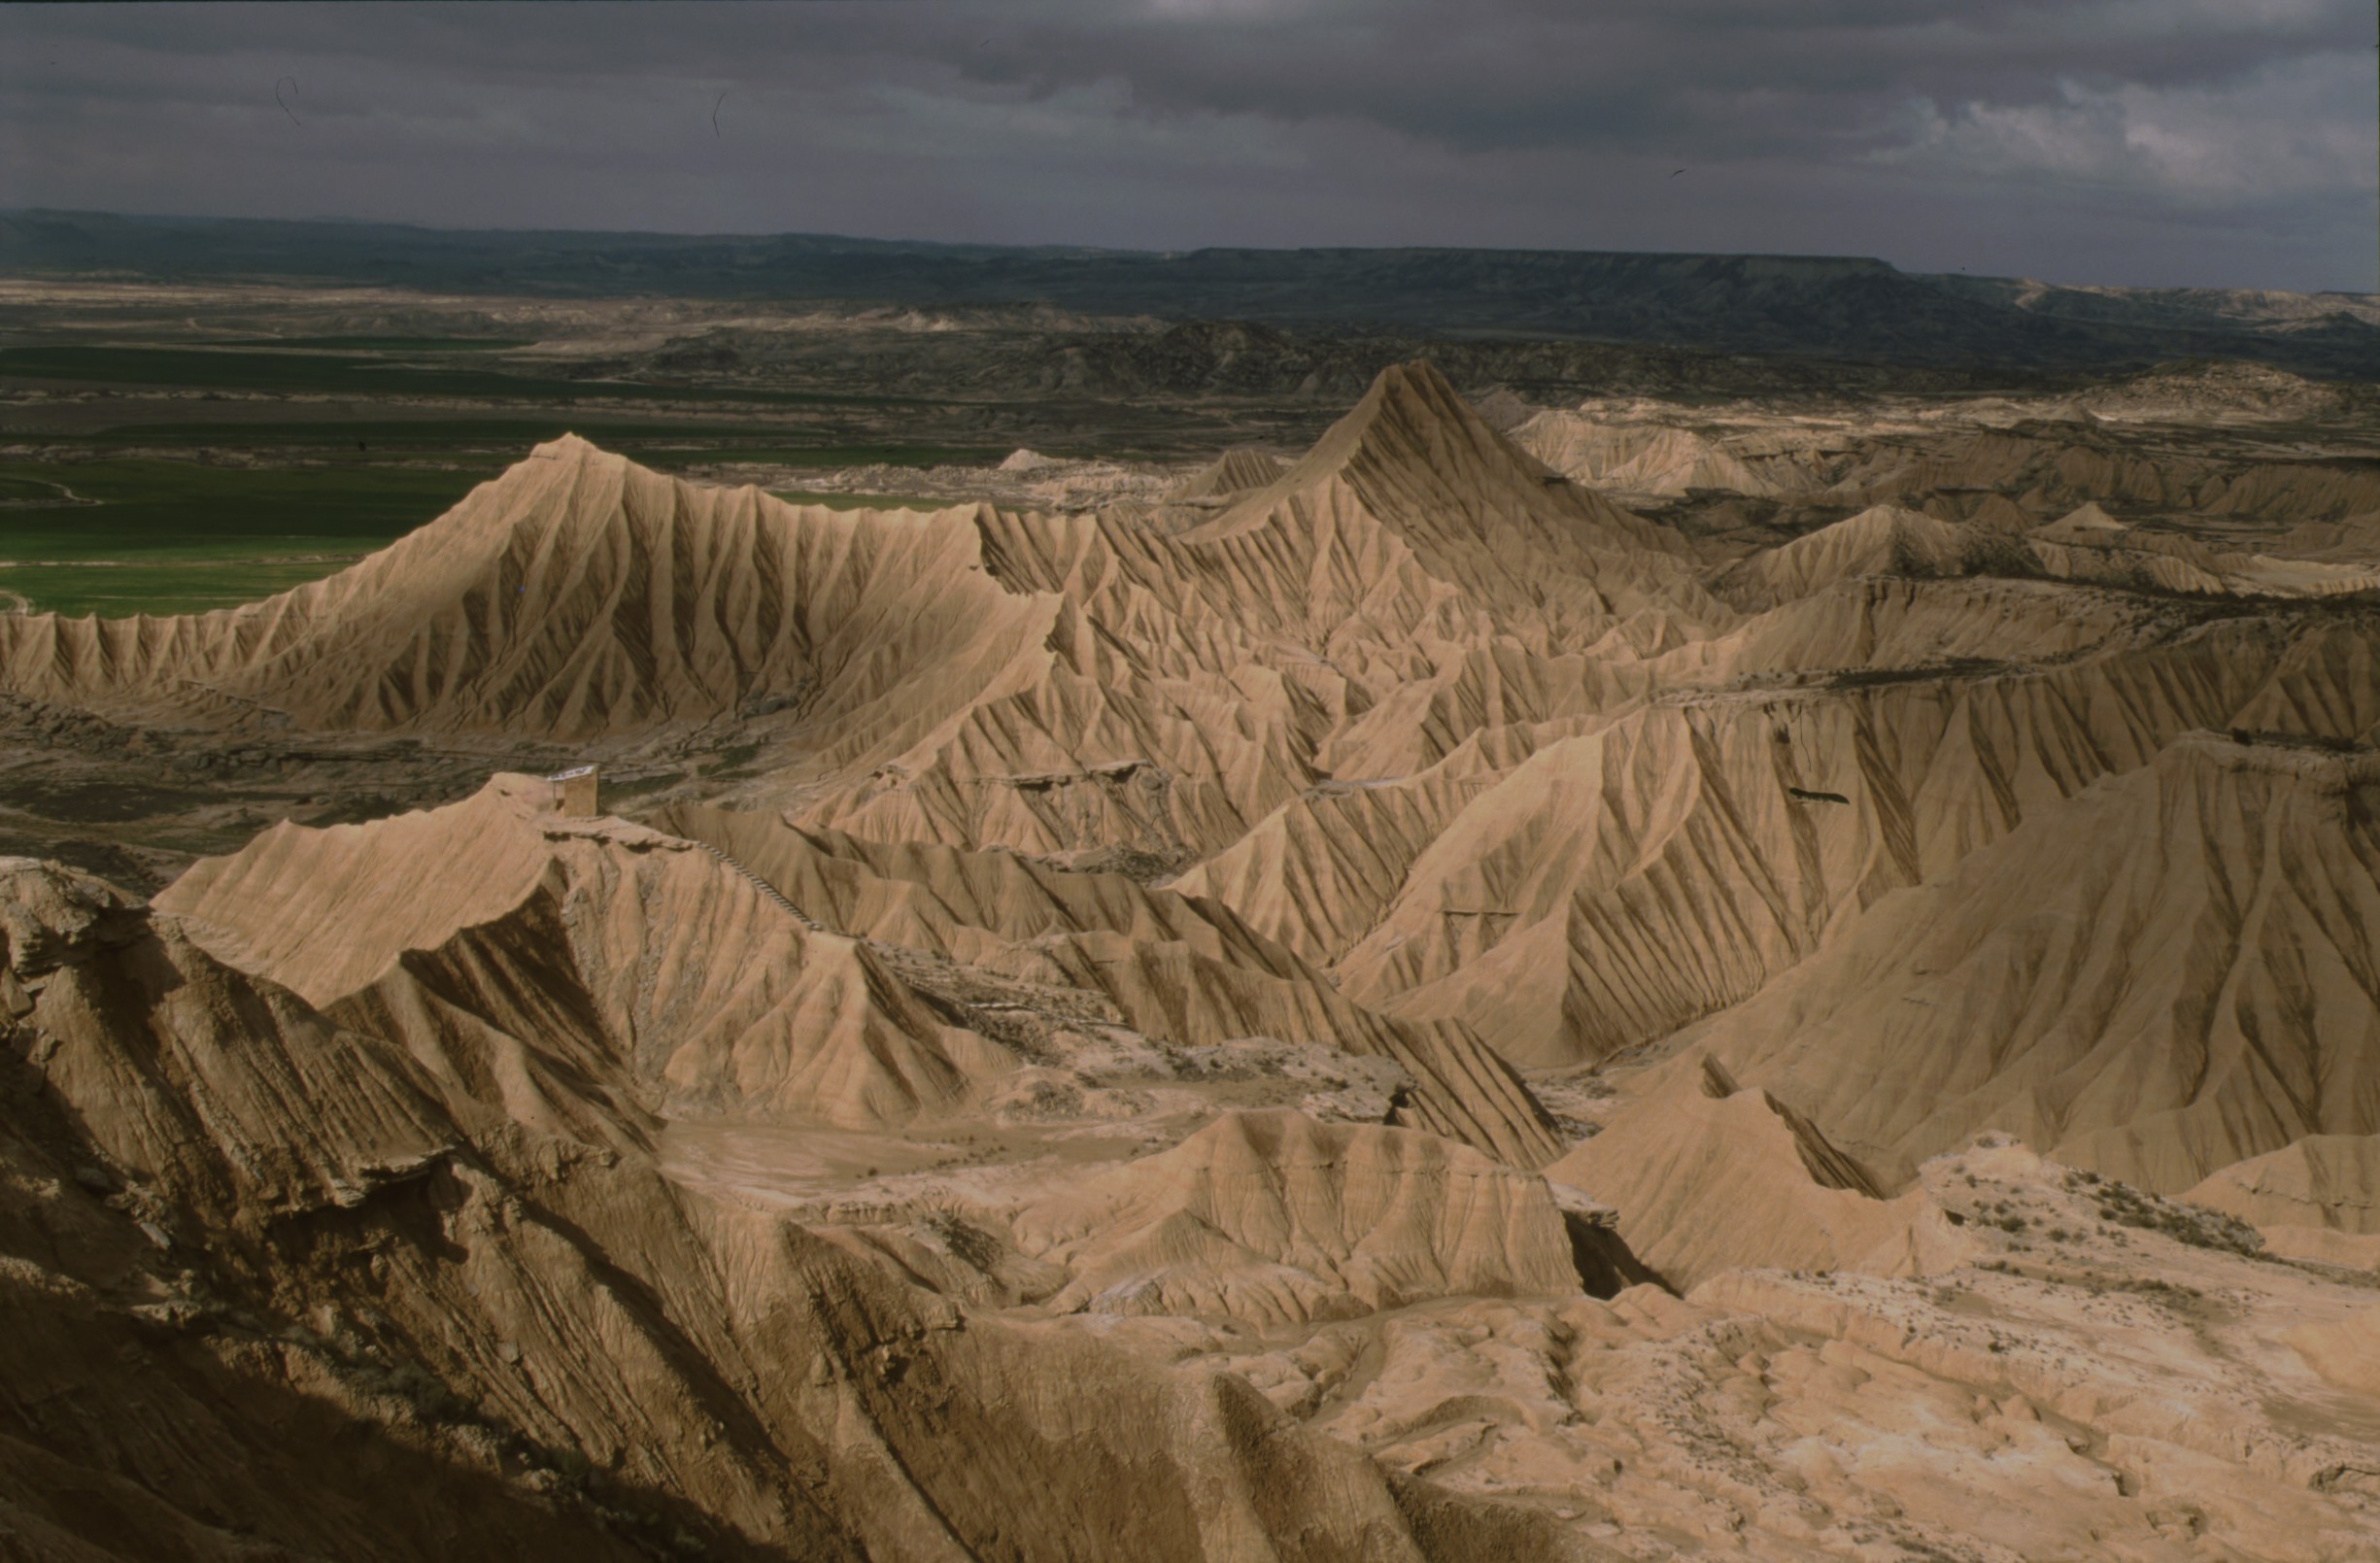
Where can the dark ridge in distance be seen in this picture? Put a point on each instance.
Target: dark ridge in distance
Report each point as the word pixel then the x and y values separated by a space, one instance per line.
pixel 1834 307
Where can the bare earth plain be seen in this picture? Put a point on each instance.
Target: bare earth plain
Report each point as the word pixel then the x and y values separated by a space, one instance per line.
pixel 1454 968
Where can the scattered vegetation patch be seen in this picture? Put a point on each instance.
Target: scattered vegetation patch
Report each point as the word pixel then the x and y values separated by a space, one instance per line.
pixel 1949 667
pixel 2193 1224
pixel 855 501
pixel 284 372
pixel 730 758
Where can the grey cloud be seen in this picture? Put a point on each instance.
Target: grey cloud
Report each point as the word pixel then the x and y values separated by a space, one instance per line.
pixel 2098 140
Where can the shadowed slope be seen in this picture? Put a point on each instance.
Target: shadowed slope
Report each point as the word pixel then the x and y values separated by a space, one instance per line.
pixel 481 1309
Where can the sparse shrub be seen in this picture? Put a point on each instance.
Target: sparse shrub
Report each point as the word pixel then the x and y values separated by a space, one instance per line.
pixel 2171 1293
pixel 2191 1224
pixel 573 1466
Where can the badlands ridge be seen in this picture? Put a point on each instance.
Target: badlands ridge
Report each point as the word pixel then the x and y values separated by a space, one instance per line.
pixel 1385 1005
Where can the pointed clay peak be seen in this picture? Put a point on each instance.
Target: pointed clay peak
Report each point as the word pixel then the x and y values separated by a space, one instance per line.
pixel 2086 516
pixel 1413 429
pixel 1408 408
pixel 568 448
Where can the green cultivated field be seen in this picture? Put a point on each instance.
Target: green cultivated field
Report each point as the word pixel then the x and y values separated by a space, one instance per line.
pixel 164 512
pixel 285 371
pixel 20 490
pixel 175 517
pixel 858 501
pixel 120 590
pixel 154 534
pixel 162 536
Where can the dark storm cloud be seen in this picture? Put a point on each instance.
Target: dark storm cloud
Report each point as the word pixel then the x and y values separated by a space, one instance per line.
pixel 2179 141
pixel 1565 74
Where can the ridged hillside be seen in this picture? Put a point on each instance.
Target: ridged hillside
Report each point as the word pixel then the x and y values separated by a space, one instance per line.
pixel 2166 974
pixel 1382 1005
pixel 422 1248
pixel 502 929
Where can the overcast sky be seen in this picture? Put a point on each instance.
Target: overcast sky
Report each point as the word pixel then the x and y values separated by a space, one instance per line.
pixel 2199 142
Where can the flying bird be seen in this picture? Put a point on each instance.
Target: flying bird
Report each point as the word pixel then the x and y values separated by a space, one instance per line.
pixel 1675 174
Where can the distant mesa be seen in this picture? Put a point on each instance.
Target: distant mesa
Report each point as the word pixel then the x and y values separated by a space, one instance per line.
pixel 1827 308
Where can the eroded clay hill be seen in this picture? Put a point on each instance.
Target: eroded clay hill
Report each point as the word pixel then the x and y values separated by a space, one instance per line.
pixel 1386 1005
pixel 577 595
pixel 401 1295
pixel 2168 974
pixel 973 676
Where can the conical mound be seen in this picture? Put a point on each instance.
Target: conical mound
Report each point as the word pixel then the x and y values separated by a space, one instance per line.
pixel 1414 478
pixel 1421 459
pixel 1707 1178
pixel 575 595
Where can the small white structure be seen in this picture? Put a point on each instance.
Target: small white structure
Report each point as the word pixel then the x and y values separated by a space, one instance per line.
pixel 577 792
